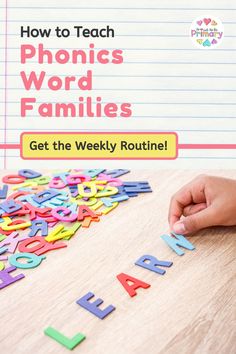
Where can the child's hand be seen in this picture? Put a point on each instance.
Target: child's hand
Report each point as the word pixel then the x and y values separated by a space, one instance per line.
pixel 205 201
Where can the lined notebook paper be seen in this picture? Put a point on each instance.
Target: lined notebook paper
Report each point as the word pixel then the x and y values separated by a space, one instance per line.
pixel 172 85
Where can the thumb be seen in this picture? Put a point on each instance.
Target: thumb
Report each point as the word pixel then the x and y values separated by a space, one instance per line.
pixel 195 222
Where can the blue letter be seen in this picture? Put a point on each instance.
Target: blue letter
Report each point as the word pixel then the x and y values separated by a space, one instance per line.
pixel 153 264
pixel 93 306
pixel 177 240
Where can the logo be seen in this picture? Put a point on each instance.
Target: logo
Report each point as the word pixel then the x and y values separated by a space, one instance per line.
pixel 207 32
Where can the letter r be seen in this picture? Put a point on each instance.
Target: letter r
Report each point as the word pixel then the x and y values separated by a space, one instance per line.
pixel 153 264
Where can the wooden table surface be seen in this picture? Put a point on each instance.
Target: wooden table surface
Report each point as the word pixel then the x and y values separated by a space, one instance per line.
pixel 191 309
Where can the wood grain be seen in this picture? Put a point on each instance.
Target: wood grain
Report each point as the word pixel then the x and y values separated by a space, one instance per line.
pixel 191 309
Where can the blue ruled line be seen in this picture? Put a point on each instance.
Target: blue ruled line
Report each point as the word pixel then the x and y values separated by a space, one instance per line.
pixel 119 8
pixel 142 117
pixel 106 21
pixel 179 157
pixel 126 49
pixel 152 103
pixel 143 76
pixel 140 62
pixel 129 89
pixel 126 35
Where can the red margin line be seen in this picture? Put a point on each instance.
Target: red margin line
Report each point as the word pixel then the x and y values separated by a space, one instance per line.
pixel 5 105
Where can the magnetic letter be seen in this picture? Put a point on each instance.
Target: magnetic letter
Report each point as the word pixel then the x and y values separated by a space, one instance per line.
pixel 85 211
pixel 153 264
pixel 10 206
pixel 29 174
pixel 13 179
pixel 177 240
pixel 12 241
pixel 59 233
pixel 3 192
pixel 116 173
pixel 65 215
pixel 3 250
pixel 32 260
pixel 137 187
pixel 57 183
pixel 93 307
pixel 125 278
pixel 69 343
pixel 7 279
pixel 41 245
pixel 39 225
pixel 9 225
pixel 45 195
pixel 93 173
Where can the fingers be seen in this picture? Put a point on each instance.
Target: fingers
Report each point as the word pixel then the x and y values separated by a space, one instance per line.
pixel 177 204
pixel 193 208
pixel 192 193
pixel 175 211
pixel 197 221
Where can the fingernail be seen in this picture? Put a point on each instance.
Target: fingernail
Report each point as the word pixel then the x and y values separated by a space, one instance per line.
pixel 179 228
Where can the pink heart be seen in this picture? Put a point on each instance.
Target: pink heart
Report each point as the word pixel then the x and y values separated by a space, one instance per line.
pixel 199 23
pixel 207 21
pixel 213 41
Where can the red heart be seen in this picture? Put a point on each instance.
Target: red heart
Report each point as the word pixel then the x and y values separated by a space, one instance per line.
pixel 207 21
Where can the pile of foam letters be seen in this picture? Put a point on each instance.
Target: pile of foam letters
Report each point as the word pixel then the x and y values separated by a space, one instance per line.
pixel 53 209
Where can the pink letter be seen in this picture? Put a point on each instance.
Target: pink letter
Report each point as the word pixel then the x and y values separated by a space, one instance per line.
pixel 43 52
pixel 25 106
pixel 85 82
pixel 32 79
pixel 27 51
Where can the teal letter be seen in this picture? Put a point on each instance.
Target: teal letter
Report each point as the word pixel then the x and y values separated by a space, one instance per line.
pixel 177 240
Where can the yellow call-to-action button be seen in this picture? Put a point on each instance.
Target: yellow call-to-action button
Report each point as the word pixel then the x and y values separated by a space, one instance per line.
pixel 101 145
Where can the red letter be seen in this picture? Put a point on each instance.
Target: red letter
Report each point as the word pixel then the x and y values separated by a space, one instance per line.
pixel 125 278
pixel 85 211
pixel 39 245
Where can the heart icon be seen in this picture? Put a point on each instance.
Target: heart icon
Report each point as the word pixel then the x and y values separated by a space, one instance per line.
pixel 207 21
pixel 207 43
pixel 213 23
pixel 199 41
pixel 214 41
pixel 199 23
